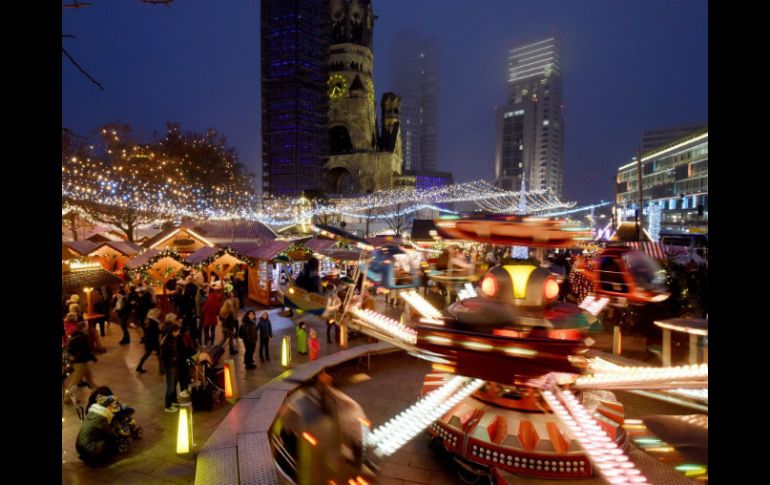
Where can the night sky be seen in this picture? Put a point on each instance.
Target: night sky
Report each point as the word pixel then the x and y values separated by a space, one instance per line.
pixel 627 66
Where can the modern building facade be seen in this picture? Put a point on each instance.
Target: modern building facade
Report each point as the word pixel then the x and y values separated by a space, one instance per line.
pixel 294 52
pixel 414 66
pixel 362 158
pixel 530 128
pixel 653 139
pixel 674 185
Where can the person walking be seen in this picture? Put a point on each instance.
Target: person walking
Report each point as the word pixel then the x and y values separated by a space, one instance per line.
pixel 250 335
pixel 169 357
pixel 313 344
pixel 123 311
pixel 79 355
pixel 302 338
pixel 143 306
pixel 187 308
pixel 151 338
pixel 101 307
pixel 210 313
pixel 229 316
pixel 265 334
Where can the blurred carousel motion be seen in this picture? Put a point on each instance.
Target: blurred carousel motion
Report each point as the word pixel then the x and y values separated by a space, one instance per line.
pixel 513 391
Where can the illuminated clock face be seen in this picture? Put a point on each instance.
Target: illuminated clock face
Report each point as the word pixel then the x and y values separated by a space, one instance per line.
pixel 337 86
pixel 370 90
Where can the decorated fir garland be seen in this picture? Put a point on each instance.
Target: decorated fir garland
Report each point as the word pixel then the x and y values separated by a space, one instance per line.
pixel 144 269
pixel 222 251
pixel 298 252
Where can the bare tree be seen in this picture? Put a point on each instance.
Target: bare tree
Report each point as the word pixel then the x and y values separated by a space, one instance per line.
pixel 397 220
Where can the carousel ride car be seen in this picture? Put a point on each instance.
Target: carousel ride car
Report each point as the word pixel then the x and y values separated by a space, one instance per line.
pixel 512 393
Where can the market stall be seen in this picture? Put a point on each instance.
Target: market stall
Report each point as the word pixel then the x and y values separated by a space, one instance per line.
pixel 113 255
pixel 263 274
pixel 222 261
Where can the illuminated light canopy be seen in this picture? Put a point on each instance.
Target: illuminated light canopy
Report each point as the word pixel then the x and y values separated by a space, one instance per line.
pixel 386 325
pixel 489 285
pixel 421 305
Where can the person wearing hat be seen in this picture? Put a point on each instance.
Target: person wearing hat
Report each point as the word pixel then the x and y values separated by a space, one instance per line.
pixel 151 338
pixel 96 441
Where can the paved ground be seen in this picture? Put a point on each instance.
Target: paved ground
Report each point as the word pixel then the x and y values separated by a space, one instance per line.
pixel 153 460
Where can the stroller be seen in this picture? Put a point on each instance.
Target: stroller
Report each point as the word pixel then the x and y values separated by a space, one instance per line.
pixel 207 389
pixel 124 426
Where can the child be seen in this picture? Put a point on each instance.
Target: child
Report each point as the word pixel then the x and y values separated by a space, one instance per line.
pixel 314 344
pixel 302 338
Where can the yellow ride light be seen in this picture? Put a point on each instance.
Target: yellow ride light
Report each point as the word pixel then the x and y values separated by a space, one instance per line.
pixel 520 276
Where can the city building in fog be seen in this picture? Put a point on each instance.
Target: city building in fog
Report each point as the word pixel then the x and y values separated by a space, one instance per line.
pixel 414 67
pixel 530 127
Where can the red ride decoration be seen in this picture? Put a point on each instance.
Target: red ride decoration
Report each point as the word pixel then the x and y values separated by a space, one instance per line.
pixel 489 285
pixel 551 289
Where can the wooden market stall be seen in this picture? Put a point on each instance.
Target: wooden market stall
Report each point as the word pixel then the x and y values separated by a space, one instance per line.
pixel 262 275
pixel 154 268
pixel 222 261
pixel 182 239
pixel 113 255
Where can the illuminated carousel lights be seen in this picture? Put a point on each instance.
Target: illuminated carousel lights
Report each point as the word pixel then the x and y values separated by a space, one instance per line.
pixel 628 375
pixel 421 305
pixel 387 325
pixel 608 459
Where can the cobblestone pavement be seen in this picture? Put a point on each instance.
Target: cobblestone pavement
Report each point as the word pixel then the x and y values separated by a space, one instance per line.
pixel 153 460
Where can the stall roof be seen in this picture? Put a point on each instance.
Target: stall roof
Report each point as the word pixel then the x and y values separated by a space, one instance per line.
pixel 82 248
pixel 75 281
pixel 163 235
pixel 269 250
pixel 241 247
pixel 150 254
pixel 317 244
pixel 378 241
pixel 228 231
pixel 204 253
pixel 127 248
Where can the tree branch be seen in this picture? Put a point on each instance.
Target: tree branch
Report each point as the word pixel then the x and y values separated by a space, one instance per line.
pixel 73 61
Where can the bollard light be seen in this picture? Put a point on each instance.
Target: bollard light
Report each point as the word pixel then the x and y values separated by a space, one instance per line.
pixel 343 336
pixel 286 351
pixel 617 339
pixel 184 433
pixel 231 385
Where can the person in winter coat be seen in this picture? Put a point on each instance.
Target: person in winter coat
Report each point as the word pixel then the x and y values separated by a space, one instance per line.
pixel 265 334
pixel 187 308
pixel 313 344
pixel 74 306
pixel 210 314
pixel 151 338
pixel 123 311
pixel 101 307
pixel 187 347
pixel 229 316
pixel 143 305
pixel 96 441
pixel 80 355
pixel 302 338
pixel 169 359
pixel 250 335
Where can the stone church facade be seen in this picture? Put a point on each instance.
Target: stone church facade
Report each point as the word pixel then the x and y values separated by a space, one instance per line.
pixel 364 157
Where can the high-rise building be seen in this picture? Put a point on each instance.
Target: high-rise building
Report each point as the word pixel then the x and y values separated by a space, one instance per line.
pixel 414 67
pixel 530 128
pixel 294 52
pixel 653 139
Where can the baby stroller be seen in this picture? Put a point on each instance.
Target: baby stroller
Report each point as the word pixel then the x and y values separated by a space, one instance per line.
pixel 124 426
pixel 207 389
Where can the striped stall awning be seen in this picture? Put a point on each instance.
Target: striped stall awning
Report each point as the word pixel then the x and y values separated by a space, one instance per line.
pixel 655 250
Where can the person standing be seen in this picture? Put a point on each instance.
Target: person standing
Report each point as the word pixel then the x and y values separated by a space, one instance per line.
pixel 200 299
pixel 151 338
pixel 210 313
pixel 187 347
pixel 143 306
pixel 79 352
pixel 229 316
pixel 265 334
pixel 101 307
pixel 169 357
pixel 123 311
pixel 313 344
pixel 302 338
pixel 250 335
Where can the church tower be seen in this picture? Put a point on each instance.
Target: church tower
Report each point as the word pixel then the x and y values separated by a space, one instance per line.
pixel 358 163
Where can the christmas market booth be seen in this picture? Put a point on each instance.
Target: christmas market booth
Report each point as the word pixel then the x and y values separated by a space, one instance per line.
pixel 182 239
pixel 263 274
pixel 221 261
pixel 154 268
pixel 113 255
pixel 83 277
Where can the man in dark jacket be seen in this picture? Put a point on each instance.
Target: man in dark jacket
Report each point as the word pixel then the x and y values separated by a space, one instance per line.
pixel 79 352
pixel 151 338
pixel 250 335
pixel 169 357
pixel 96 441
pixel 123 310
pixel 143 305
pixel 265 334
